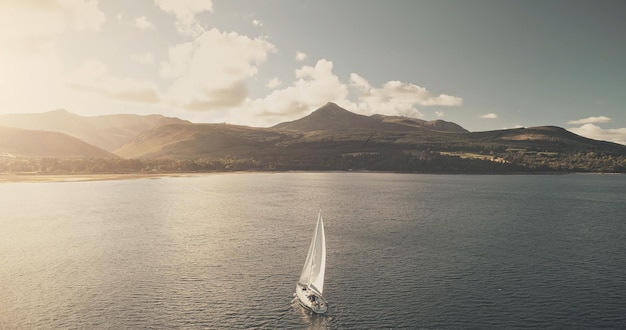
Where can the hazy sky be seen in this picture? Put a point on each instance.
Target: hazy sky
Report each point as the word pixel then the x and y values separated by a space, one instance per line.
pixel 482 64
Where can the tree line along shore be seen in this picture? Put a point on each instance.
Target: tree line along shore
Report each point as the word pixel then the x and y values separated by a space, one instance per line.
pixel 386 160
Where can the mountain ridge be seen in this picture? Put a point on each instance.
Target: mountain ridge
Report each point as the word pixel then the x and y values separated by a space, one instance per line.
pixel 333 138
pixel 17 142
pixel 331 116
pixel 107 132
pixel 199 140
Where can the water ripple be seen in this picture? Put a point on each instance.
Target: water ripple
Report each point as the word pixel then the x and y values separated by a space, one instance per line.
pixel 405 251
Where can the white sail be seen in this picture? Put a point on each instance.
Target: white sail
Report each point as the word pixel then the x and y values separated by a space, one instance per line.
pixel 315 265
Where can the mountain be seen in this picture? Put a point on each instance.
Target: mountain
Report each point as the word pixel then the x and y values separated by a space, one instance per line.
pixel 547 138
pixel 16 142
pixel 332 138
pixel 194 141
pixel 333 117
pixel 108 132
pixel 333 123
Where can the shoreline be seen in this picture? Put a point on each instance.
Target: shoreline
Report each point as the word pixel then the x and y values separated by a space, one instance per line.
pixel 43 178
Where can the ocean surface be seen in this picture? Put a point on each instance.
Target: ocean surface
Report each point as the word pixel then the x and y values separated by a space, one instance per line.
pixel 224 251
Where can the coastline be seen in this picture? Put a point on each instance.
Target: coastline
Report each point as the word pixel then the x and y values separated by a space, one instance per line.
pixel 42 178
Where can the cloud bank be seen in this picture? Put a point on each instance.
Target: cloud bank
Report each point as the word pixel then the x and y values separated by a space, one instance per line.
pixel 617 135
pixel 588 129
pixel 315 85
pixel 396 98
pixel 204 71
pixel 590 120
pixel 210 73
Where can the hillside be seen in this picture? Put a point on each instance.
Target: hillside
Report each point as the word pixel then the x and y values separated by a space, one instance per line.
pixel 433 125
pixel 333 117
pixel 332 138
pixel 15 142
pixel 108 132
pixel 194 141
pixel 545 138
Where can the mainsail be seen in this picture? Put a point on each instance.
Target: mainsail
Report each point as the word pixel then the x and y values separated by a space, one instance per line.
pixel 315 265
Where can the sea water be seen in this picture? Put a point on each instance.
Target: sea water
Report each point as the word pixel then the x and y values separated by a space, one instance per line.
pixel 224 251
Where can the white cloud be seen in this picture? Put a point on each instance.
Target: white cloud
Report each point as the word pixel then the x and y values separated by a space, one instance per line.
pixel 396 98
pixel 360 83
pixel 273 83
pixel 210 73
pixel 588 129
pixel 414 94
pixel 439 113
pixel 93 76
pixel 144 24
pixel 300 56
pixel 617 135
pixel 256 22
pixel 313 87
pixel 489 116
pixel 590 120
pixel 316 85
pixel 185 12
pixel 143 58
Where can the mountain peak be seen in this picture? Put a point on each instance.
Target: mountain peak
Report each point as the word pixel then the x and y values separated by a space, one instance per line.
pixel 333 108
pixel 330 116
pixel 330 108
pixel 330 105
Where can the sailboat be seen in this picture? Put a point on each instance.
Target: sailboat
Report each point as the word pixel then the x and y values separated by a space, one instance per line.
pixel 311 283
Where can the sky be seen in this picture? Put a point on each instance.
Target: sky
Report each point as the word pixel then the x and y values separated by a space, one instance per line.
pixel 483 64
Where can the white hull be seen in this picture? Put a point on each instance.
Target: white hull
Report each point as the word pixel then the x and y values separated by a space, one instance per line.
pixel 311 300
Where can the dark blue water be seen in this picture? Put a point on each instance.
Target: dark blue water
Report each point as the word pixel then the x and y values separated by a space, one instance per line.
pixel 404 251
